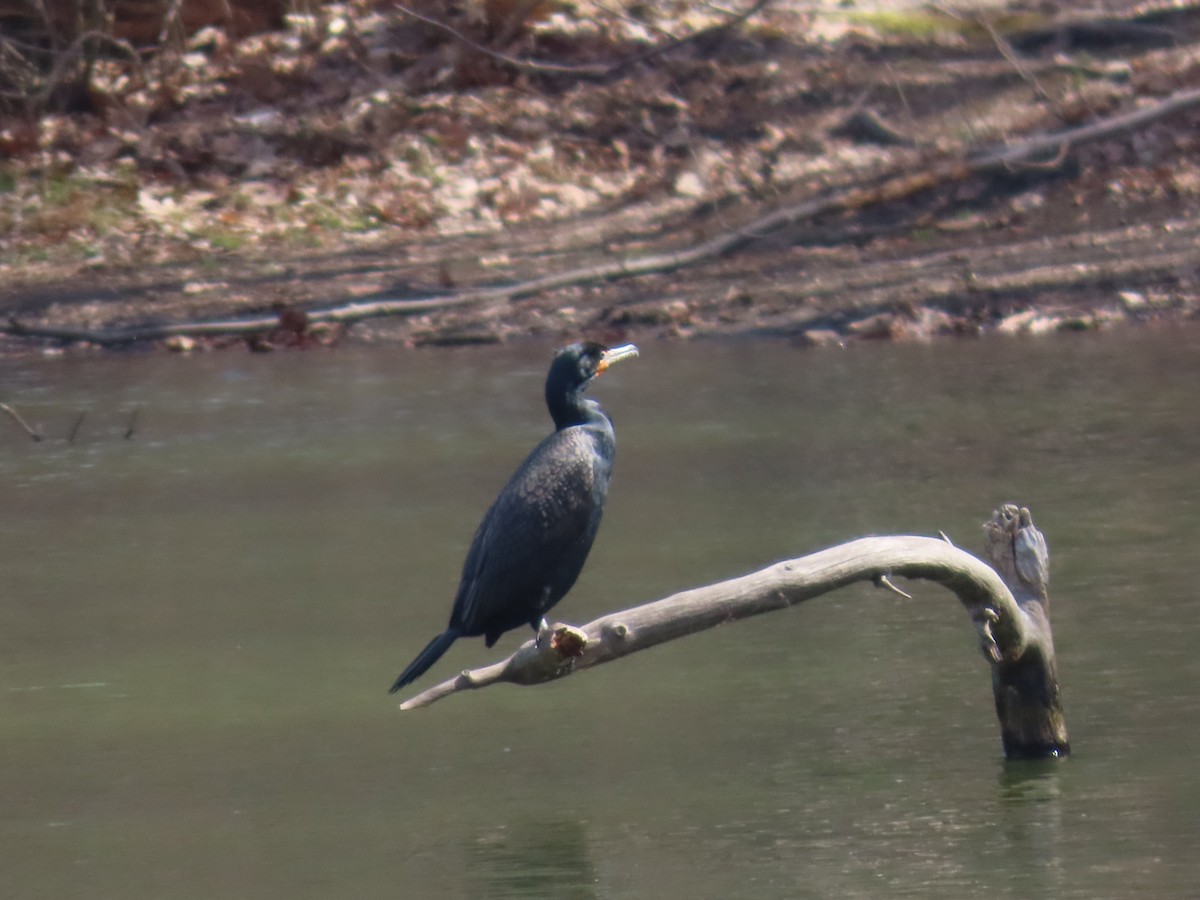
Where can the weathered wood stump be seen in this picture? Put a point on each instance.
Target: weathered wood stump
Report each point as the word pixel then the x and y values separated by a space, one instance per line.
pixel 1028 700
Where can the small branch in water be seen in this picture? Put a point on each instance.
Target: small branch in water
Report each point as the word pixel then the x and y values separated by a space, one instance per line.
pixel 75 428
pixel 34 433
pixel 133 417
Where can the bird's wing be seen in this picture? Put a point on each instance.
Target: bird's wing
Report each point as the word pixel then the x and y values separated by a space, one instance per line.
pixel 531 533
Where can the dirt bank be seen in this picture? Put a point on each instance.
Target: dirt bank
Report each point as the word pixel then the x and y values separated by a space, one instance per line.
pixel 294 176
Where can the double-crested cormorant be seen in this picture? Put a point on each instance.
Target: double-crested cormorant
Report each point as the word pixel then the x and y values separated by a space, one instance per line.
pixel 532 542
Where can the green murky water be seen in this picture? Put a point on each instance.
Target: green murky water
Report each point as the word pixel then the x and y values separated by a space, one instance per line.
pixel 198 626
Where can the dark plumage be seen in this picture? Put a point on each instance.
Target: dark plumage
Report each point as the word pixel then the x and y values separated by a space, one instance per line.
pixel 532 542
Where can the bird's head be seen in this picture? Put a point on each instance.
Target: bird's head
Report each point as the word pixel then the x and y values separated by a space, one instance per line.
pixel 573 369
pixel 577 364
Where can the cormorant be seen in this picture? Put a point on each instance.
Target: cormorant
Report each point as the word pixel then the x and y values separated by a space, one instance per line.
pixel 532 542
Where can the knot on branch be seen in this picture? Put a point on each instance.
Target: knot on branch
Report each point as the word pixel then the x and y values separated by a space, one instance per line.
pixel 568 642
pixel 544 660
pixel 614 632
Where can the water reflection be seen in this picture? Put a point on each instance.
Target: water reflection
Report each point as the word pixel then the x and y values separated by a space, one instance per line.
pixel 533 858
pixel 1029 781
pixel 1031 816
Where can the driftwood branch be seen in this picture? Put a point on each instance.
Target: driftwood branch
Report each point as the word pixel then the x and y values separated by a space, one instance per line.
pixel 1040 151
pixel 1011 619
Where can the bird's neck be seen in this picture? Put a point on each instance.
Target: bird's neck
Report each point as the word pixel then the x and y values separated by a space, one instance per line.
pixel 573 409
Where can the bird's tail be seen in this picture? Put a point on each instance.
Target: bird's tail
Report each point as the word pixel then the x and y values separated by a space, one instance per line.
pixel 426 658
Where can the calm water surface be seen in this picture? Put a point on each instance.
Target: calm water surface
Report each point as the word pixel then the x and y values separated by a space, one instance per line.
pixel 198 627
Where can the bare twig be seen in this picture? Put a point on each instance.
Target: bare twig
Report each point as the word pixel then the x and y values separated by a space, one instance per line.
pixel 34 433
pixel 170 22
pixel 75 428
pixel 1003 45
pixel 67 58
pixel 1047 164
pixel 1013 58
pixel 884 582
pixel 1039 146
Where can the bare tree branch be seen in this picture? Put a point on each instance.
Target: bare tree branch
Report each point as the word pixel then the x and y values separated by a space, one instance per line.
pixel 66 60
